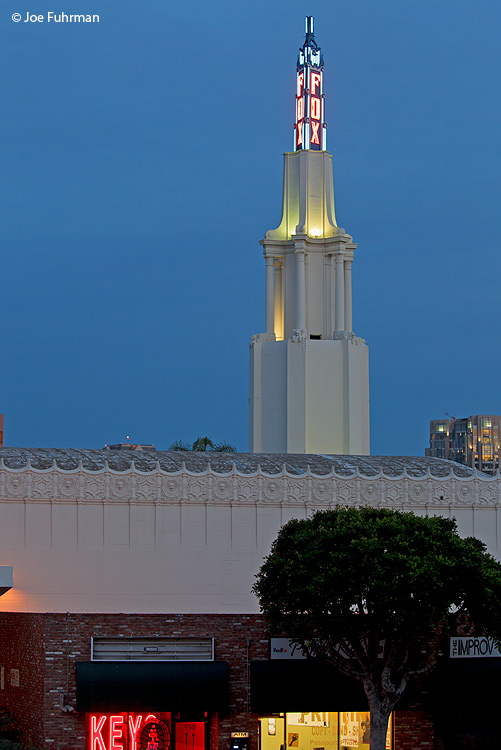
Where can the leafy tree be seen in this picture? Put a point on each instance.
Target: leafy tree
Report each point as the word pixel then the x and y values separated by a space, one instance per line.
pixel 202 444
pixel 180 445
pixel 224 448
pixel 372 590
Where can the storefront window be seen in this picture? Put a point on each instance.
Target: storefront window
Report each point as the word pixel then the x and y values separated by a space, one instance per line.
pixel 326 730
pixel 272 733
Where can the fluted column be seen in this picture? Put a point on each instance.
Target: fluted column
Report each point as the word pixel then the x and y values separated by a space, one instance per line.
pixel 348 323
pixel 269 296
pixel 328 323
pixel 333 296
pixel 340 326
pixel 279 302
pixel 300 290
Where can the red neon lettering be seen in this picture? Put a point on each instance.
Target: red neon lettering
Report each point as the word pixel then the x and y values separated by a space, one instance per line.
pixel 315 108
pixel 95 733
pixel 315 81
pixel 314 132
pixel 116 732
pixel 300 81
pixel 300 108
pixel 134 729
pixel 299 129
pixel 150 717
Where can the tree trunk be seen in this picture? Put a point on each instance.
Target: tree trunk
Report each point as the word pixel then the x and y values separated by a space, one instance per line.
pixel 380 707
pixel 379 726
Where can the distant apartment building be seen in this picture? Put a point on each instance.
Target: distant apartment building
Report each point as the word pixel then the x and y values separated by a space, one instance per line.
pixel 473 441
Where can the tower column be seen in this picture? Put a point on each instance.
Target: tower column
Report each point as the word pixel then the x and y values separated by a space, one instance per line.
pixel 279 301
pixel 269 296
pixel 309 373
pixel 300 290
pixel 348 323
pixel 328 324
pixel 340 326
pixel 333 295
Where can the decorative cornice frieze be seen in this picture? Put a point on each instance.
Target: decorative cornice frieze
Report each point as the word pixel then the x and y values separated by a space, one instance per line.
pixel 259 488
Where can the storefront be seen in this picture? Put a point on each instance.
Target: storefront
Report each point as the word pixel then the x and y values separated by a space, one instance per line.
pixel 287 680
pixel 465 696
pixel 327 730
pixel 146 693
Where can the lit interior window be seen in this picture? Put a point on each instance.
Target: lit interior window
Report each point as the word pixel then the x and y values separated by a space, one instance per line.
pixel 335 730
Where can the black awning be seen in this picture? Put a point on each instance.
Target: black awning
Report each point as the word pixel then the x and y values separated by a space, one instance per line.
pixel 465 689
pixel 458 690
pixel 154 686
pixel 302 685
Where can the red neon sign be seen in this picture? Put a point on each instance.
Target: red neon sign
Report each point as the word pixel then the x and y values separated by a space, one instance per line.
pixel 300 109
pixel 134 728
pixel 315 82
pixel 309 116
pixel 116 732
pixel 299 130
pixel 145 731
pixel 314 132
pixel 300 84
pixel 310 128
pixel 315 107
pixel 95 733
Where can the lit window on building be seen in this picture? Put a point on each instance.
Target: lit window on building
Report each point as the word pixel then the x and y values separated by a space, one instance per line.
pixel 334 730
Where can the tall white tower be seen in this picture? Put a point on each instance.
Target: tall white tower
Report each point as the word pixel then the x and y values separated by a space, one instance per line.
pixel 309 373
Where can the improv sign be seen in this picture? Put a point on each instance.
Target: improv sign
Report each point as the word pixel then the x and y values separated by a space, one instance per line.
pixel 473 648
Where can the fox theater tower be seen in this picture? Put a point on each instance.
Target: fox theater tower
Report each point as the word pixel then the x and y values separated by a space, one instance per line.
pixel 309 373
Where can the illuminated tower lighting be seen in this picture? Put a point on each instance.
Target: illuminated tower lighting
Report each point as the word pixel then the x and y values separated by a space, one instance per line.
pixel 310 128
pixel 309 373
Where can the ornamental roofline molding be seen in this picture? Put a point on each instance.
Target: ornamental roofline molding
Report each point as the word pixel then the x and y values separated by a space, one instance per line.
pixel 234 471
pixel 234 487
pixel 247 464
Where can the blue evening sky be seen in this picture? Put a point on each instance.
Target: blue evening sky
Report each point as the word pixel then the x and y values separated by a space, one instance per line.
pixel 142 162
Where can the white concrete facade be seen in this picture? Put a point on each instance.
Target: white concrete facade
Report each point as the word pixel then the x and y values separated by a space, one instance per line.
pixel 185 542
pixel 309 374
pixel 309 396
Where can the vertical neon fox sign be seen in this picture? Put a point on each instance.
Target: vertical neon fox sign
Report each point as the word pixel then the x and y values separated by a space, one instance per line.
pixel 310 127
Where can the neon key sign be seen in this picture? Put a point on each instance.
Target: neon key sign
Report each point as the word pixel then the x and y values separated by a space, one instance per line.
pixel 129 731
pixel 310 127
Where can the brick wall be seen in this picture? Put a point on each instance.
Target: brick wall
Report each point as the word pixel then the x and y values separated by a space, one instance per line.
pixel 21 671
pixel 67 639
pixel 45 649
pixel 413 730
